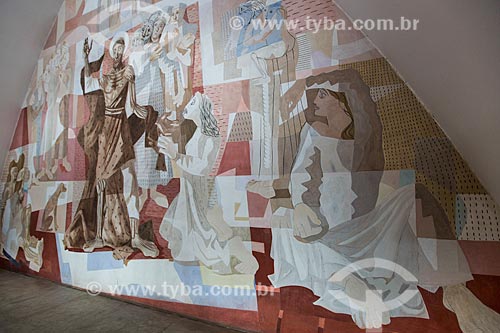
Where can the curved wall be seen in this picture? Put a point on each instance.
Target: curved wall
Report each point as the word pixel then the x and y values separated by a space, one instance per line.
pixel 176 155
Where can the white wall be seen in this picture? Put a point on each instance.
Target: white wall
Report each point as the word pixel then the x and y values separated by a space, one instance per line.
pixel 24 28
pixel 452 62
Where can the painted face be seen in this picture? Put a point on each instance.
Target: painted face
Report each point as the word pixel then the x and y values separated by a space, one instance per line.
pixel 146 31
pixel 157 31
pixel 326 105
pixel 175 15
pixel 192 109
pixel 118 49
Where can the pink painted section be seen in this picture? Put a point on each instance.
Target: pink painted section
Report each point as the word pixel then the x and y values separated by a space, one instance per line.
pixel 482 256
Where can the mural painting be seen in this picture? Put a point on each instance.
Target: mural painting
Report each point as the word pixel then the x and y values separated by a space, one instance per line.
pixel 160 146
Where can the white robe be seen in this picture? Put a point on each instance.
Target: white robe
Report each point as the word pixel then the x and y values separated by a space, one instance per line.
pixel 387 232
pixel 53 127
pixel 149 91
pixel 185 226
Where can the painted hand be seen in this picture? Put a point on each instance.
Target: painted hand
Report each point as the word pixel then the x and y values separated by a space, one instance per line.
pixel 156 53
pixel 262 188
pixel 305 222
pixel 167 146
pixel 87 48
pixel 128 74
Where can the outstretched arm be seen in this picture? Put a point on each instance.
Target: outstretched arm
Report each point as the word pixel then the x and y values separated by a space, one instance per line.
pixel 91 83
pixel 86 51
pixel 139 110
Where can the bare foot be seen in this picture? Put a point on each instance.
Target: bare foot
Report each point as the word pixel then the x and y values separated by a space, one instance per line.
pixel 473 316
pixel 122 253
pixel 148 248
pixel 248 264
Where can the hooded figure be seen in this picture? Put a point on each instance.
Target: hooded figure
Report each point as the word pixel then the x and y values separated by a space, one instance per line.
pixel 108 212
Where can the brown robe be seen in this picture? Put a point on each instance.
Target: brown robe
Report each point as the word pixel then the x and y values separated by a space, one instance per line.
pixel 108 139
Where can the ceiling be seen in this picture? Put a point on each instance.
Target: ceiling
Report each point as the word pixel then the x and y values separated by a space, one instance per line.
pixel 24 28
pixel 451 62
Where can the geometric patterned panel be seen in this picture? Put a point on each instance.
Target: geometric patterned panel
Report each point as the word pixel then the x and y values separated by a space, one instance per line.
pixel 375 73
pixel 477 218
pixel 242 127
pixel 435 160
pixel 378 92
pixel 440 167
pixel 304 59
pixel 412 139
pixel 405 121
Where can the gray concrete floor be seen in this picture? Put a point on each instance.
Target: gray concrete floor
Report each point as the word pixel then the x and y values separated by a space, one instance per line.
pixel 35 305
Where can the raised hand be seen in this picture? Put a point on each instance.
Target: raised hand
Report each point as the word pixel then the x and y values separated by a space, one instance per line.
pixel 167 146
pixel 165 125
pixel 87 48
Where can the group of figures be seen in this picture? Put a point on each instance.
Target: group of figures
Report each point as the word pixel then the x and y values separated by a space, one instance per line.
pixel 15 219
pixel 147 126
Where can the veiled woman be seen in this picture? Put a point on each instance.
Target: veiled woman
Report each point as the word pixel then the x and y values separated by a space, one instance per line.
pixel 338 219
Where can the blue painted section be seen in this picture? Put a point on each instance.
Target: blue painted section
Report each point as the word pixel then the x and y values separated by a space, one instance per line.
pixel 460 216
pixel 406 177
pixel 98 261
pixel 12 260
pixel 248 14
pixel 63 266
pixel 203 294
pixel 242 182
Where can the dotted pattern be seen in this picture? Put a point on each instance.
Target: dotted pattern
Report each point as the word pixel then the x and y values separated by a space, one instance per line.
pixel 413 140
pixel 76 194
pixel 379 92
pixel 440 162
pixel 375 72
pixel 242 128
pixel 477 218
pixel 314 9
pixel 404 121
